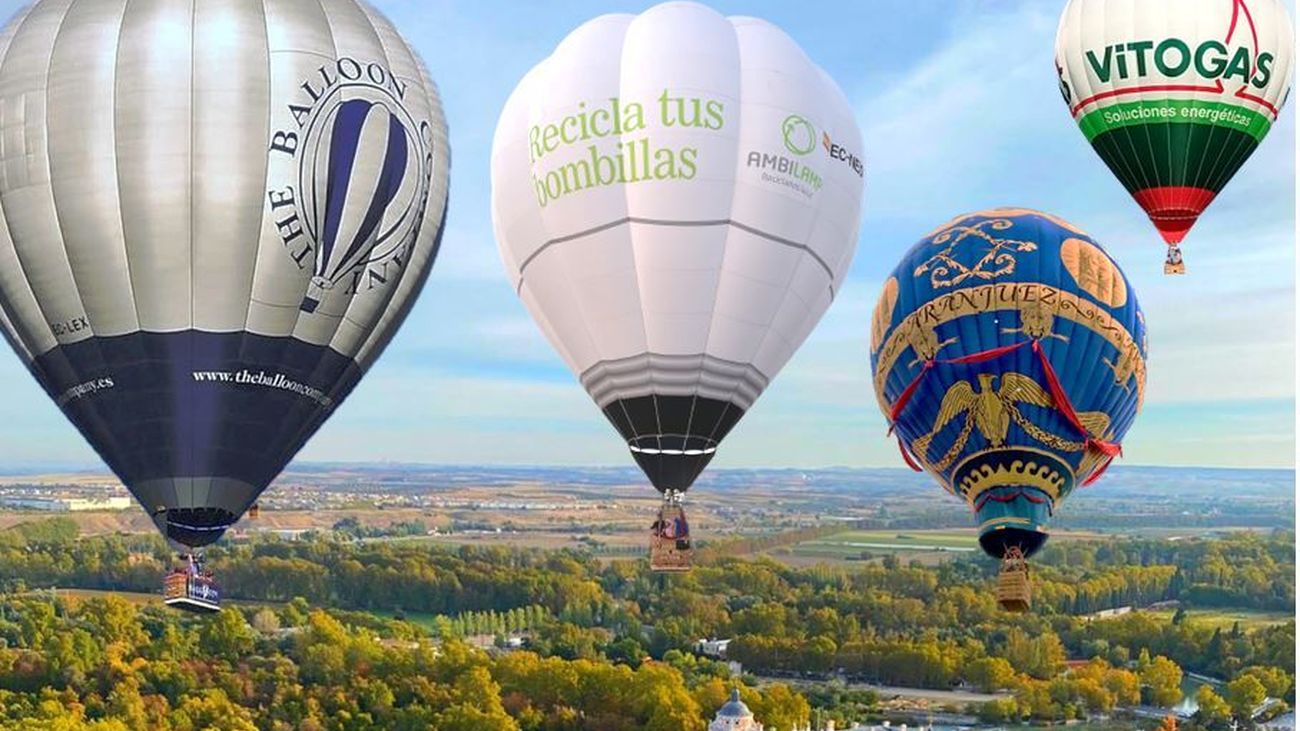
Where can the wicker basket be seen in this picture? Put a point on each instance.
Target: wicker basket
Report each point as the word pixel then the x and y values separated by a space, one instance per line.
pixel 1013 582
pixel 670 540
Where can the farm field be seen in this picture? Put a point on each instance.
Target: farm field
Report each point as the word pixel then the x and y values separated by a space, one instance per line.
pixel 137 598
pixel 1250 619
pixel 926 546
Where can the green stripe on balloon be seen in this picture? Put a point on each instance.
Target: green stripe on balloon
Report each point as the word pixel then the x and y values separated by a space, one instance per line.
pixel 1175 111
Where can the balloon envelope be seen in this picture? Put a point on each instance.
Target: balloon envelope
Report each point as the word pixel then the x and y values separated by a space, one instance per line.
pixel 1175 95
pixel 216 215
pixel 1009 352
pixel 676 199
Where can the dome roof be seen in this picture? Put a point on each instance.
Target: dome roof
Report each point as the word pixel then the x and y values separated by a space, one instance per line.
pixel 735 708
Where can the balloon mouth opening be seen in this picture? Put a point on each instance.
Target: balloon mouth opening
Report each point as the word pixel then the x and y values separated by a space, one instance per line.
pixel 195 527
pixel 675 445
pixel 995 542
pixel 1174 225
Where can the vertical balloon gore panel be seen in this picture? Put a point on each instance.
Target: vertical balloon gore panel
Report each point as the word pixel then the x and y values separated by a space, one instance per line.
pixel 83 164
pixel 228 199
pixel 153 103
pixel 676 222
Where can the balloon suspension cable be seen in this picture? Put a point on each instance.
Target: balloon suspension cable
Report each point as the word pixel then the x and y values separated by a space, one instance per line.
pixel 1174 261
pixel 193 563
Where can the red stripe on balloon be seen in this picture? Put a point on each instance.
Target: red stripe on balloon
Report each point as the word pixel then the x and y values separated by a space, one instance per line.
pixel 1174 208
pixel 907 456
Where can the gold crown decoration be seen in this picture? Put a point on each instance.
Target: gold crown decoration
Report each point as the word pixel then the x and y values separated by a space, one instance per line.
pixel 1016 473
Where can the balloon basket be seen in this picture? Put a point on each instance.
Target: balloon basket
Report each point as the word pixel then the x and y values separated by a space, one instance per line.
pixel 191 588
pixel 670 537
pixel 1013 581
pixel 1174 261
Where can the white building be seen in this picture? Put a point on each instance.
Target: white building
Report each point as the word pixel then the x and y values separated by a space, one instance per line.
pixel 66 504
pixel 734 715
pixel 712 648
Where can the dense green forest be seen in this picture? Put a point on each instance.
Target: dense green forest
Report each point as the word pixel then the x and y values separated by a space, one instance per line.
pixel 608 645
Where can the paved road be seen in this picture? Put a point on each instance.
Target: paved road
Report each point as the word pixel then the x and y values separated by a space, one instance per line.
pixel 890 691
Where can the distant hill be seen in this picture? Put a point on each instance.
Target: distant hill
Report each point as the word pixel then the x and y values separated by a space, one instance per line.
pixel 1120 481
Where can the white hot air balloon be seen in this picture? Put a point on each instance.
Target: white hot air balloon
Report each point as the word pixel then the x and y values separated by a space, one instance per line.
pixel 216 214
pixel 676 198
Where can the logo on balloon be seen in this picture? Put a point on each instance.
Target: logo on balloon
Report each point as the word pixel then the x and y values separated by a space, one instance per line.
pixel 352 169
pixel 800 137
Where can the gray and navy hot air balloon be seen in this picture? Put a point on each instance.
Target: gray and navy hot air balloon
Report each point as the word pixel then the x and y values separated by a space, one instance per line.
pixel 216 215
pixel 1009 355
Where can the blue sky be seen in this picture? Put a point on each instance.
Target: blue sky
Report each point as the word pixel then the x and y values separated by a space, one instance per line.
pixel 959 109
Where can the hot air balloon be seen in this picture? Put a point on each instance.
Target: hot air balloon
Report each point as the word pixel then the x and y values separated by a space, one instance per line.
pixel 676 198
pixel 1175 95
pixel 216 215
pixel 1009 355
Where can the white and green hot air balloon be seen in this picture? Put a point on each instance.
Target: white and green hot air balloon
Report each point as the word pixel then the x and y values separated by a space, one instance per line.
pixel 1175 95
pixel 676 199
pixel 215 216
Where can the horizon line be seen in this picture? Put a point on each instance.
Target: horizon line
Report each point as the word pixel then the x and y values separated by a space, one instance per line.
pixel 34 469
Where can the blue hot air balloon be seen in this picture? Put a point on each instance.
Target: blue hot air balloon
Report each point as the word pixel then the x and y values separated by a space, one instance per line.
pixel 1009 354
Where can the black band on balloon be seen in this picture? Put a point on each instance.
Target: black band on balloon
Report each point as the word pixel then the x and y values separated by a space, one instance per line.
pixel 198 421
pixel 198 526
pixel 672 438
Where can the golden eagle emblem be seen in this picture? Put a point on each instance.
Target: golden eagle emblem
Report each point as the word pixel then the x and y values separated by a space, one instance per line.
pixel 991 410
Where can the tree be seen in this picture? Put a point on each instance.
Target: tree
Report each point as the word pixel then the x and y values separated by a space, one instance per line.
pixel 780 708
pixel 266 621
pixel 1163 680
pixel 210 710
pixel 466 717
pixel 998 710
pixel 227 635
pixel 479 707
pixel 1244 695
pixel 1168 723
pixel 1276 681
pixel 1124 685
pixel 1042 656
pixel 1211 708
pixel 627 651
pixel 990 673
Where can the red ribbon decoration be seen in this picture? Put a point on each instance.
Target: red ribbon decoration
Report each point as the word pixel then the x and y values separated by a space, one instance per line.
pixel 980 357
pixel 906 395
pixel 1060 399
pixel 1007 498
pixel 907 456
